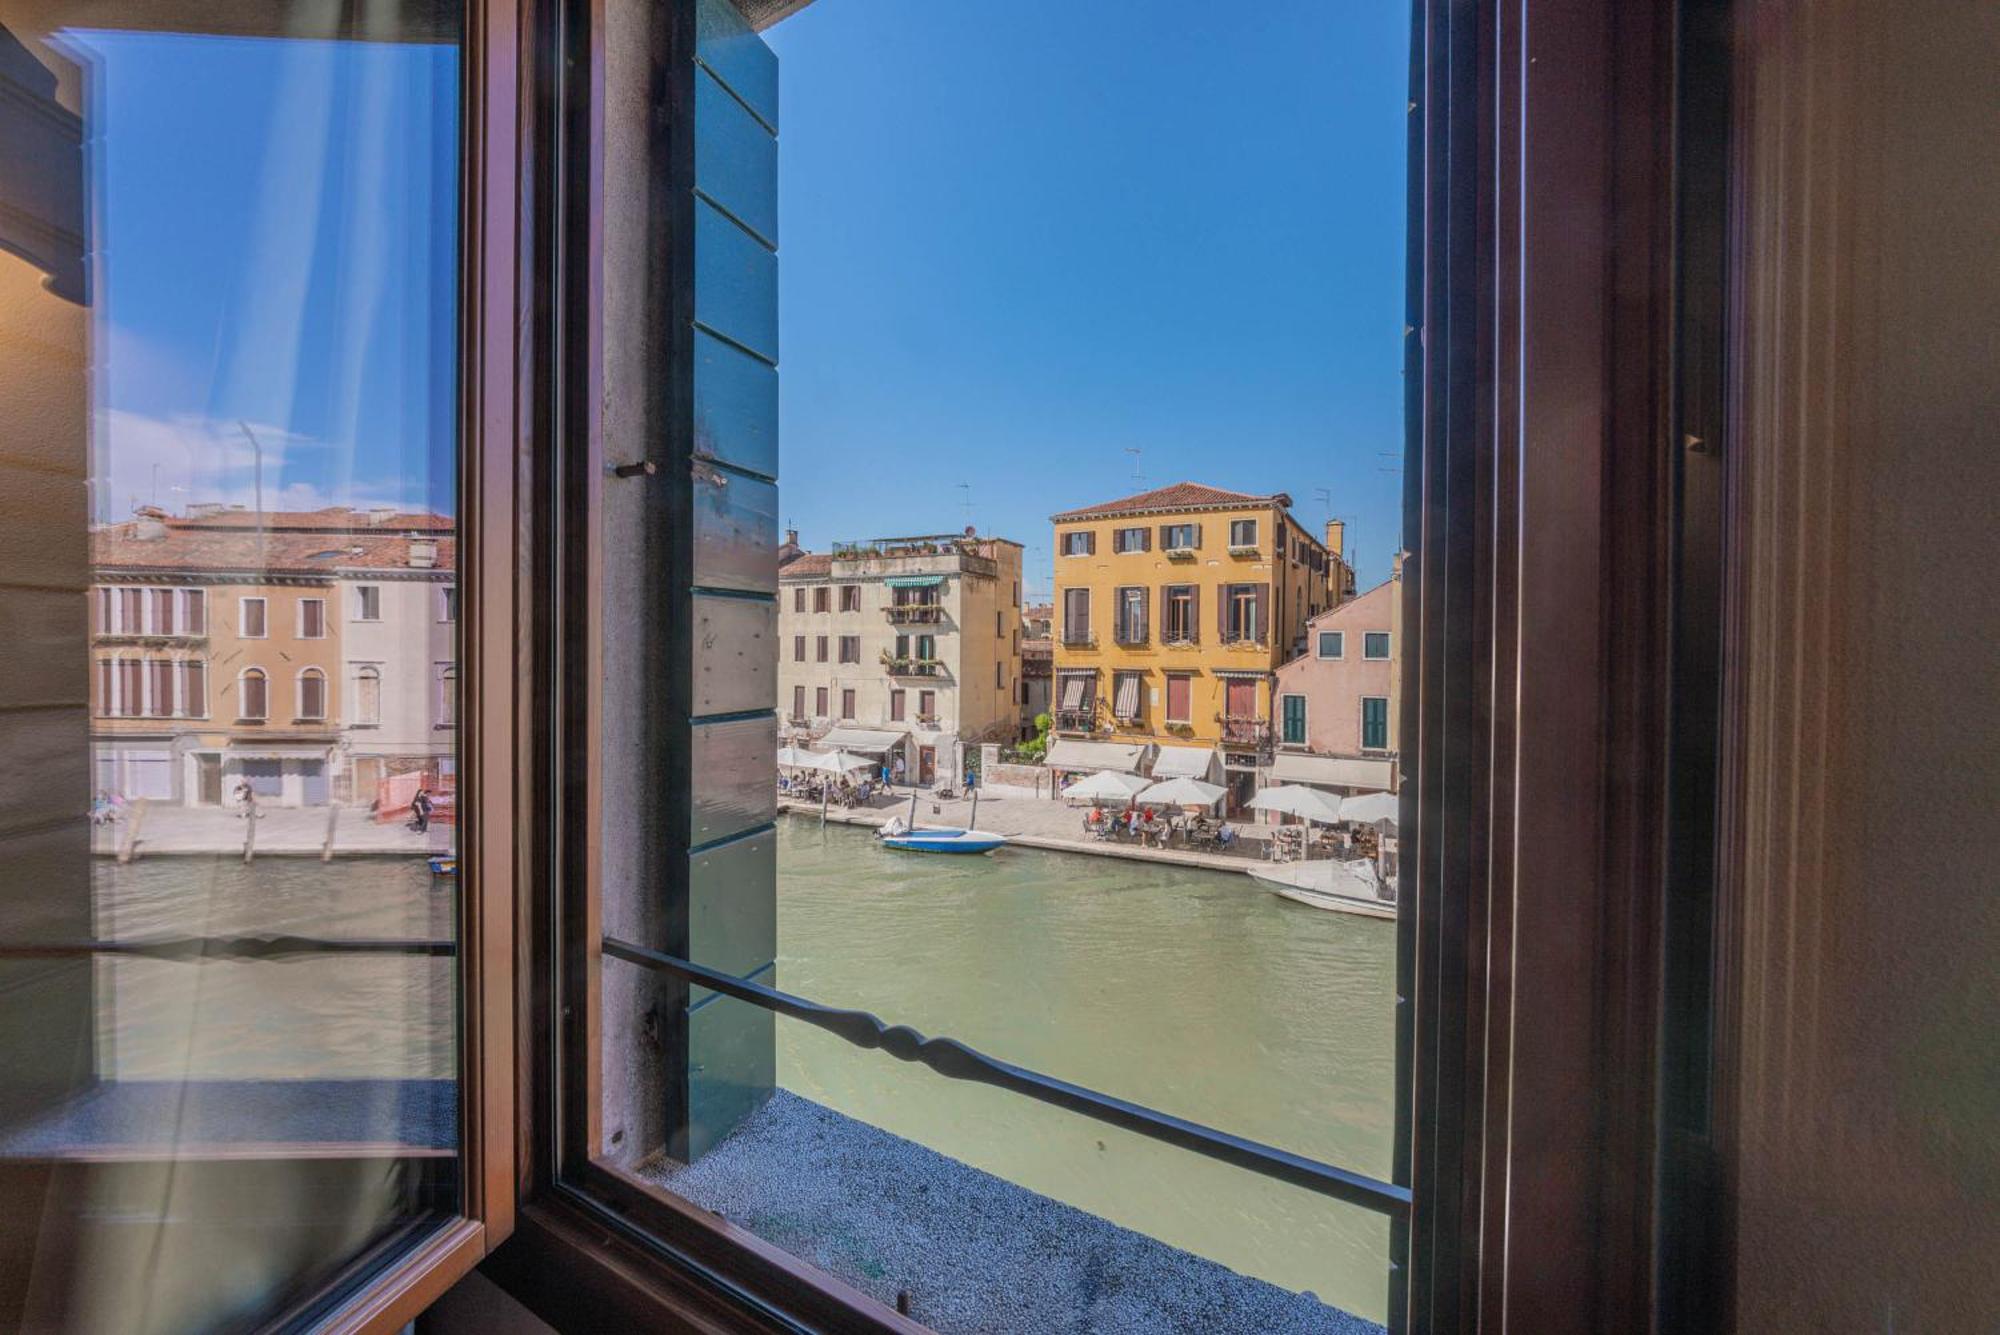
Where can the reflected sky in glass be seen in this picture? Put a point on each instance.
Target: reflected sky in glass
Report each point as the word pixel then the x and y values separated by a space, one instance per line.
pixel 275 261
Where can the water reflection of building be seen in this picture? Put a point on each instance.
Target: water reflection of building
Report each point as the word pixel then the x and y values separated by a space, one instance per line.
pixel 306 655
pixel 905 647
pixel 1174 609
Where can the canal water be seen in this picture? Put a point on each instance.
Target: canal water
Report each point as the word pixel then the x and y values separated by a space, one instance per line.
pixel 1194 992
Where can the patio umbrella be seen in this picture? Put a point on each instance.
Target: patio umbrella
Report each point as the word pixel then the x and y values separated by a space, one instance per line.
pixel 797 757
pixel 1295 799
pixel 1106 786
pixel 1370 808
pixel 1182 793
pixel 843 762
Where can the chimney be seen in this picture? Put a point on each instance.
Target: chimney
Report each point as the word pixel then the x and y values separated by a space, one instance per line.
pixel 206 509
pixel 149 527
pixel 382 514
pixel 423 554
pixel 791 537
pixel 1336 531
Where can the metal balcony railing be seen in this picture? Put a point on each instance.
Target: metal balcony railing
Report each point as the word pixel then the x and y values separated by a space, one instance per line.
pixel 909 614
pixel 955 1061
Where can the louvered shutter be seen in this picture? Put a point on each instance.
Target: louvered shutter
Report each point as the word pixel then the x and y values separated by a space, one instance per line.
pixel 1264 614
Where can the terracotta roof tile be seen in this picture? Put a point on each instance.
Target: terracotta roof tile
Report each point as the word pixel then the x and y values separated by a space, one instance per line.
pixel 281 549
pixel 1179 496
pixel 807 565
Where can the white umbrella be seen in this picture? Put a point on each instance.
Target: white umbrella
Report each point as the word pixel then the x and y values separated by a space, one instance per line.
pixel 843 762
pixel 1370 808
pixel 1295 799
pixel 1106 786
pixel 797 757
pixel 1182 793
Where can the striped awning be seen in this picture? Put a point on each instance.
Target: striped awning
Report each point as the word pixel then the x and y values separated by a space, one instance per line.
pixel 914 581
pixel 1126 703
pixel 1076 689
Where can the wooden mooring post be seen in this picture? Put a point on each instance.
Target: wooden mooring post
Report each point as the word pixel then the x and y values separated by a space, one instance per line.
pixel 332 818
pixel 129 847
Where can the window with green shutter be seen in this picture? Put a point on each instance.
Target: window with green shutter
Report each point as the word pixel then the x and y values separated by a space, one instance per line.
pixel 1295 720
pixel 1374 723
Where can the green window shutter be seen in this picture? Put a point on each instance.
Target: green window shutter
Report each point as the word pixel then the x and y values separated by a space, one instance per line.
pixel 1295 720
pixel 1375 723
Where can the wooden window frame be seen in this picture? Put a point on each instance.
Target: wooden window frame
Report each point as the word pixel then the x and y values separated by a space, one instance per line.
pixel 1525 951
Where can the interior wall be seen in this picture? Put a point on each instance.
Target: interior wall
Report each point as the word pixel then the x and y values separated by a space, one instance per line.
pixel 1865 849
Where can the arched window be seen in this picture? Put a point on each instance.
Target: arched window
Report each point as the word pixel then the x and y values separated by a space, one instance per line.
pixel 252 698
pixel 368 695
pixel 312 693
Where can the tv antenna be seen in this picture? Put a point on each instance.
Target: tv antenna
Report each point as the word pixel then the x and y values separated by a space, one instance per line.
pixel 1138 478
pixel 965 502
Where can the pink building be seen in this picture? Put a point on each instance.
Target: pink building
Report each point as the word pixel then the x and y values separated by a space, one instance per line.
pixel 1335 705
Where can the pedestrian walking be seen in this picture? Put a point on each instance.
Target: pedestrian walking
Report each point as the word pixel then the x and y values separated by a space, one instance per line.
pixel 420 811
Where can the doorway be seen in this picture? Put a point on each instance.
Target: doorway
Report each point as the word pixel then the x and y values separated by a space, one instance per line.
pixel 926 765
pixel 208 779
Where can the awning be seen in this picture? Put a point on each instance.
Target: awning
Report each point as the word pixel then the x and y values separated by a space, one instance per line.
pixel 1075 688
pixel 865 740
pixel 1068 754
pixel 1184 762
pixel 1250 674
pixel 266 751
pixel 914 581
pixel 1127 703
pixel 1333 771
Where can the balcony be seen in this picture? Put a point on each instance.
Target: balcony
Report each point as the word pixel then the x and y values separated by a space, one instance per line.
pixel 1179 553
pixel 1076 720
pixel 1250 549
pixel 912 667
pixel 1131 638
pixel 1079 640
pixel 1246 733
pixel 909 614
pixel 151 640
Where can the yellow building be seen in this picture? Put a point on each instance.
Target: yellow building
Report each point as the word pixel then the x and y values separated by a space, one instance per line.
pixel 1173 610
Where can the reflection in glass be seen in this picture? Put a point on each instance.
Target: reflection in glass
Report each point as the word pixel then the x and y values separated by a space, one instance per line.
pixel 228 398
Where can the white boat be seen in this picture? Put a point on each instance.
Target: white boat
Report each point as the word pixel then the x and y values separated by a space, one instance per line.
pixel 1325 883
pixel 898 834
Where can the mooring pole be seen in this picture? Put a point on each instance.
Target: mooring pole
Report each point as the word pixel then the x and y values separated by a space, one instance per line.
pixel 131 847
pixel 973 819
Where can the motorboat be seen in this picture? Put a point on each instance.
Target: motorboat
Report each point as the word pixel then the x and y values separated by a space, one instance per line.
pixel 1327 883
pixel 444 864
pixel 898 833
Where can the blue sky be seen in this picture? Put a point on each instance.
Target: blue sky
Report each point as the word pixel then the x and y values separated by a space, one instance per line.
pixel 274 228
pixel 1019 238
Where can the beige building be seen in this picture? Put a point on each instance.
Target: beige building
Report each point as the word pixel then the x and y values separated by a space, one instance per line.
pixel 902 648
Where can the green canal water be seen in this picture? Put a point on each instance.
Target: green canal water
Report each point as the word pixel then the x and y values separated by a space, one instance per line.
pixel 1196 993
pixel 1193 992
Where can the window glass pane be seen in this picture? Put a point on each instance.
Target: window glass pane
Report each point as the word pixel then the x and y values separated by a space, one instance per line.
pixel 228 397
pixel 1161 537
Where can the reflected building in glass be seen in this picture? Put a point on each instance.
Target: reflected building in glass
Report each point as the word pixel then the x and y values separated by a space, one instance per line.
pixel 293 658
